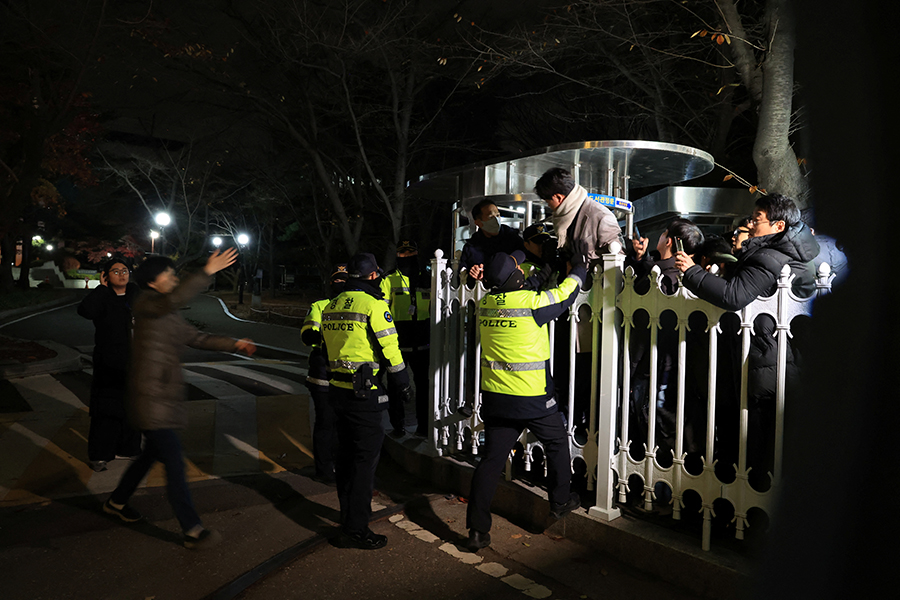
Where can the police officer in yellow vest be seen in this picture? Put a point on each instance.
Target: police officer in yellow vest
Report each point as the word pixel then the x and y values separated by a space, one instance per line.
pixel 360 340
pixel 407 291
pixel 324 438
pixel 516 388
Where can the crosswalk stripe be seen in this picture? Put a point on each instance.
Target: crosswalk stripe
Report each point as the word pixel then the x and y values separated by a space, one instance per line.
pixel 215 387
pixel 281 383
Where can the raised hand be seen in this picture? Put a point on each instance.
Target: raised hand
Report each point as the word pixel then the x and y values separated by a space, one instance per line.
pixel 220 260
pixel 683 262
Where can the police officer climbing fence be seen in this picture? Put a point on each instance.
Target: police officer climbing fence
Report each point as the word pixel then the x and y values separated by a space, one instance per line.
pixel 360 339
pixel 516 388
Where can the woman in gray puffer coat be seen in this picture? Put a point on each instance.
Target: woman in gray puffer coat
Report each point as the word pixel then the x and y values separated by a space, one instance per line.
pixel 156 391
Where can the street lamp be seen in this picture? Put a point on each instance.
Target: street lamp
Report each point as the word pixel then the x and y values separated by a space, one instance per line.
pixel 153 236
pixel 242 239
pixel 217 242
pixel 163 219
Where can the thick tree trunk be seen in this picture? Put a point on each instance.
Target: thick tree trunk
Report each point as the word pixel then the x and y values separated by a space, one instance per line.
pixel 773 155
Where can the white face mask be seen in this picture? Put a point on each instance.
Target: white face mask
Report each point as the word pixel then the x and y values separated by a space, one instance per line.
pixel 491 225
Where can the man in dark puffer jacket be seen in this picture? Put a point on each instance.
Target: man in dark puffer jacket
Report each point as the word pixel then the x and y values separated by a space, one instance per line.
pixel 777 237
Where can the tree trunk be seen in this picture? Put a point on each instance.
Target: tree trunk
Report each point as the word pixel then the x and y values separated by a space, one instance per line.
pixel 773 155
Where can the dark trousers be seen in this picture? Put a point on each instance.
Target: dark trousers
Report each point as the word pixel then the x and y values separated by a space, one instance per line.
pixel 360 434
pixel 324 436
pixel 420 361
pixel 109 436
pixel 500 437
pixel 162 445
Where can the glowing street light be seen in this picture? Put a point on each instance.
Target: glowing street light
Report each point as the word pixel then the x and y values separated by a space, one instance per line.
pixel 217 241
pixel 163 219
pixel 50 247
pixel 243 239
pixel 153 236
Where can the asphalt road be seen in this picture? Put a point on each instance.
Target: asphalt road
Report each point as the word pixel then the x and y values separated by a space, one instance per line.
pixel 65 326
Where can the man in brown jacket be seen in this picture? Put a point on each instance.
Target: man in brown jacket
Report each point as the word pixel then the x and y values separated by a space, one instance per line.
pixel 156 391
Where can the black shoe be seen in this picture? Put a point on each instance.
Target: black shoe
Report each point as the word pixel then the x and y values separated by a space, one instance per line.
pixel 367 540
pixel 207 539
pixel 98 465
pixel 126 513
pixel 477 540
pixel 558 511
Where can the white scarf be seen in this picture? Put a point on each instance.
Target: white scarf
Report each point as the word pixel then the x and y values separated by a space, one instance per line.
pixel 566 211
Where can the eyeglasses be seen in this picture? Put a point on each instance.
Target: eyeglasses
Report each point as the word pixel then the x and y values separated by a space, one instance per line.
pixel 119 272
pixel 762 222
pixel 739 231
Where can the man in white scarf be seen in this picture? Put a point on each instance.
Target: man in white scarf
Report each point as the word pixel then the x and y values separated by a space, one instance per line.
pixel 583 228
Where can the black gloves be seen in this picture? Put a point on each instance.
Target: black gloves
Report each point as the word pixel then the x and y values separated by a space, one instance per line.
pixel 406 394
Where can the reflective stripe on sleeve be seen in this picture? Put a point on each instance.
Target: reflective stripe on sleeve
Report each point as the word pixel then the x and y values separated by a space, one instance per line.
pixel 500 313
pixel 396 368
pixel 346 316
pixel 385 332
pixel 496 365
pixel 314 381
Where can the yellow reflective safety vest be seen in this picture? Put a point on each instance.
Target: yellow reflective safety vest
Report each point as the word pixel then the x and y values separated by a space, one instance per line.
pixel 358 331
pixel 515 350
pixel 411 308
pixel 317 373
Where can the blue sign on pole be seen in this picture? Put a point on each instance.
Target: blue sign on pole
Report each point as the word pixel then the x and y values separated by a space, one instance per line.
pixel 611 201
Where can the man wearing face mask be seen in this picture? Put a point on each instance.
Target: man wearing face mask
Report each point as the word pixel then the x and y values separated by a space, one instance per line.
pixel 491 237
pixel 407 290
pixel 324 437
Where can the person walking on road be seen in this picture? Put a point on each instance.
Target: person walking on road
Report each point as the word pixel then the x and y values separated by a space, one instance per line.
pixel 359 334
pixel 516 388
pixel 109 307
pixel 156 390
pixel 324 436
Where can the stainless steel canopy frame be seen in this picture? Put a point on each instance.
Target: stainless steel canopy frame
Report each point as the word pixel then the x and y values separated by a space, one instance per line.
pixel 606 168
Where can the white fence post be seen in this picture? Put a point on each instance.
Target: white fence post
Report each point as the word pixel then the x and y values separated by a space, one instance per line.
pixel 605 297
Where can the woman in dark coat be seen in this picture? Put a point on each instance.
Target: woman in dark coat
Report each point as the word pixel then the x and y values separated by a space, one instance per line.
pixel 109 307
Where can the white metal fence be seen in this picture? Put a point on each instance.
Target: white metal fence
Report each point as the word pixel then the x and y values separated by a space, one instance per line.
pixel 608 454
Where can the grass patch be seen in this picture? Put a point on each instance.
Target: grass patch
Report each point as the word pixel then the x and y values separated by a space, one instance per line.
pixel 18 298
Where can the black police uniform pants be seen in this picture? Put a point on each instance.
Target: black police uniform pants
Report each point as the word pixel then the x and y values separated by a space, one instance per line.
pixel 500 437
pixel 360 434
pixel 324 437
